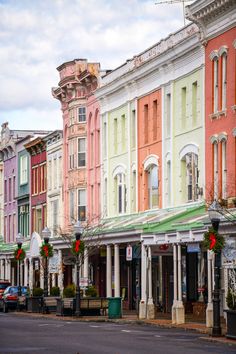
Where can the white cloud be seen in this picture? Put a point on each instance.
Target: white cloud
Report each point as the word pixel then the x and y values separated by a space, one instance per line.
pixel 38 36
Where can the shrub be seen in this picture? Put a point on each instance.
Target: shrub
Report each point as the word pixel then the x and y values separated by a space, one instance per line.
pixel 55 291
pixel 69 291
pixel 91 291
pixel 37 292
pixel 231 300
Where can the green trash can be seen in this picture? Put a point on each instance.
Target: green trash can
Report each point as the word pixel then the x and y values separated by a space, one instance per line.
pixel 114 307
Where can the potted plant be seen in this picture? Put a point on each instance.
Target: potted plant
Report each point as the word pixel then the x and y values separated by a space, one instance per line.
pixel 91 291
pixel 69 291
pixel 231 314
pixel 55 291
pixel 34 303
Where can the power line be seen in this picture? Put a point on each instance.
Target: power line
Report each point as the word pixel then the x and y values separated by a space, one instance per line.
pixel 160 2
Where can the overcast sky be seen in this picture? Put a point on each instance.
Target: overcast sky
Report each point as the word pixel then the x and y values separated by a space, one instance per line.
pixel 36 36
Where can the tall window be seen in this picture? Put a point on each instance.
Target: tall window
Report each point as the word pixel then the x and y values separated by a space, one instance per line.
pixel 38 225
pixel 105 198
pixel 154 120
pixel 145 123
pixel 105 139
pixel 82 204
pixel 134 191
pixel 5 191
pixel 168 180
pixel 71 115
pixel 183 105
pixel 194 103
pixel 10 189
pixel 215 84
pixel 224 170
pixel 152 187
pixel 133 129
pixel 71 154
pixel 23 223
pixel 23 169
pixel 168 114
pixel 82 114
pixel 192 175
pixel 115 135
pixel 55 175
pixel 91 150
pixel 121 193
pixel 215 170
pixel 81 152
pixel 224 80
pixel 98 146
pixel 123 131
pixel 55 211
pixel 72 206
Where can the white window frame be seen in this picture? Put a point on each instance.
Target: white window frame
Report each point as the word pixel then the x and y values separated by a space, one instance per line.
pixel 82 114
pixel 82 204
pixel 80 152
pixel 23 169
pixel 151 187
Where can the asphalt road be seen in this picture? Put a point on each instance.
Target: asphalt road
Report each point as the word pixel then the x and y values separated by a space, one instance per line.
pixel 27 335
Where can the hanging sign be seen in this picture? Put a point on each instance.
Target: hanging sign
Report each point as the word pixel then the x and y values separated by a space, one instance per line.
pixel 129 253
pixel 193 247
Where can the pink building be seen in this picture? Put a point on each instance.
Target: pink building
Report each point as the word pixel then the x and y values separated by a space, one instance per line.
pixel 93 161
pixel 78 80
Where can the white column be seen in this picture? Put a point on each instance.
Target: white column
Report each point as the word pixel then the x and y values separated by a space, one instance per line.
pixel 150 305
pixel 26 280
pixel 117 270
pixel 209 309
pixel 109 271
pixel 175 284
pixel 180 311
pixel 1 269
pixel 31 274
pixel 143 301
pixel 8 270
pixel 86 263
pixel 60 272
pixel 53 279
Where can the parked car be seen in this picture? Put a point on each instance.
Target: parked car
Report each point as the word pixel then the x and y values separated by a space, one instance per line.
pixel 9 299
pixel 3 285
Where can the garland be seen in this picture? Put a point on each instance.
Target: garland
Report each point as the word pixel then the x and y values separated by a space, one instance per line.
pixel 19 254
pixel 77 247
pixel 46 250
pixel 213 241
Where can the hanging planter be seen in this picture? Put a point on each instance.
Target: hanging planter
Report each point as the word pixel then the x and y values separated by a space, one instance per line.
pixel 19 254
pixel 46 250
pixel 77 247
pixel 213 241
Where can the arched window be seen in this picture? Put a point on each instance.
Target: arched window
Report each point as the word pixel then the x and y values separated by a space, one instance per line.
pixel 153 199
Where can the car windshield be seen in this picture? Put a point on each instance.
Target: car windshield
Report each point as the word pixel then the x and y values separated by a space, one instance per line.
pixel 14 290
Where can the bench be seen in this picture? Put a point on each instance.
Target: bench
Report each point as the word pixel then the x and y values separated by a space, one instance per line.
pixel 50 304
pixel 93 306
pixel 65 306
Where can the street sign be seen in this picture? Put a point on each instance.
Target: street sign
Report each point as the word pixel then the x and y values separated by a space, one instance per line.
pixel 129 253
pixel 193 247
pixel 83 282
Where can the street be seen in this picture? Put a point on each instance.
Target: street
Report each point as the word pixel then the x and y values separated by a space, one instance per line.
pixel 22 335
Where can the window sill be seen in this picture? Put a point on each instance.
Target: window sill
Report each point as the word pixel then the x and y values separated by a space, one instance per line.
pixel 218 114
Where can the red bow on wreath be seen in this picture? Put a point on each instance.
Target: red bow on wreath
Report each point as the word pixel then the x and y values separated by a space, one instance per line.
pixel 19 251
pixel 77 245
pixel 212 238
pixel 45 248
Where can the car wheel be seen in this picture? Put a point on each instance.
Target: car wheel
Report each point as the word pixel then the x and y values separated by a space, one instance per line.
pixel 5 308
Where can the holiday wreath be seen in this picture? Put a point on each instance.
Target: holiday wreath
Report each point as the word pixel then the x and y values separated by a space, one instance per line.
pixel 77 247
pixel 213 241
pixel 46 250
pixel 19 254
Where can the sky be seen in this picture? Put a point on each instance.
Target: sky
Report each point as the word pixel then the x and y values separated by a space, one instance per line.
pixel 36 36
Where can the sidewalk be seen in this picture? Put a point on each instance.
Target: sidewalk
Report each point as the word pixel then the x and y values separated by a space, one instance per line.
pixel 132 318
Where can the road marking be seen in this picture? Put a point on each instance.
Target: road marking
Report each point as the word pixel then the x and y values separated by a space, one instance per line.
pixel 44 324
pixel 156 335
pixel 94 326
pixel 125 330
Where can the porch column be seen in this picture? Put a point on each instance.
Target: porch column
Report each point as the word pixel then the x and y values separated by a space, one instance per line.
pixel 109 271
pixel 180 312
pixel 150 305
pixel 209 309
pixel 143 301
pixel 12 274
pixel 60 272
pixel 86 263
pixel 31 274
pixel 41 279
pixel 1 269
pixel 53 280
pixel 175 284
pixel 117 270
pixel 26 280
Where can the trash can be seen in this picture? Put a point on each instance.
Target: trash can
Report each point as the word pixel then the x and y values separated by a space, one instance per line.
pixel 114 307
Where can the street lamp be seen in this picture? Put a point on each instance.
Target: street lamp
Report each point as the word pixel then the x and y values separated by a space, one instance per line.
pixel 19 241
pixel 46 233
pixel 78 230
pixel 215 213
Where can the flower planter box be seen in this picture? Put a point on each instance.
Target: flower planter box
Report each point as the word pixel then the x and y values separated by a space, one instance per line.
pixel 231 324
pixel 34 304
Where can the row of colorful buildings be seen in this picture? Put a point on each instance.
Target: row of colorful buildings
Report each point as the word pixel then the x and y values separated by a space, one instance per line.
pixel 144 149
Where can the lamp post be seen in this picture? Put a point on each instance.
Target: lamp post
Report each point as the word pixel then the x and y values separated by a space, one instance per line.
pixel 46 233
pixel 19 241
pixel 214 212
pixel 78 230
